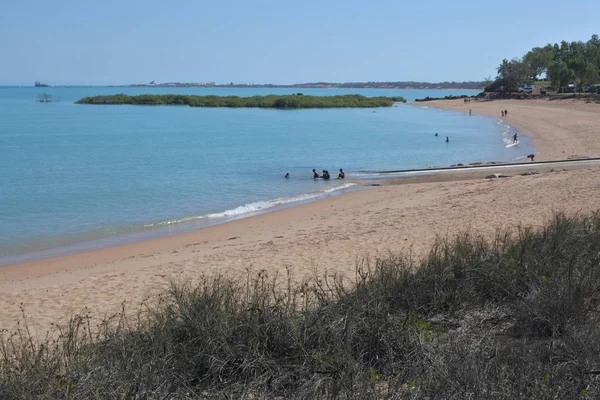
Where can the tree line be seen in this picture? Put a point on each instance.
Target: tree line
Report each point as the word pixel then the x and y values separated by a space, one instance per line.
pixel 291 101
pixel 566 63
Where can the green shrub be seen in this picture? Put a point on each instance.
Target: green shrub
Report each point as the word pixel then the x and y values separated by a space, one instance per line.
pixel 292 101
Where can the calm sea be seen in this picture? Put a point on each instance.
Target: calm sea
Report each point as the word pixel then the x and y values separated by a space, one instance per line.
pixel 76 177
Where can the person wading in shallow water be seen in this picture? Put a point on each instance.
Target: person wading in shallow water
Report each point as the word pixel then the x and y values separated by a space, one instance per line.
pixel 315 174
pixel 342 174
pixel 447 140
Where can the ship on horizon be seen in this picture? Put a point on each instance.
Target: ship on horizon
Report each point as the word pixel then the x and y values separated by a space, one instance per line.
pixel 40 84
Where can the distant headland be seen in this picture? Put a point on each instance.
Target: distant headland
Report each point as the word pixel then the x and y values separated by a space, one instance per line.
pixel 291 101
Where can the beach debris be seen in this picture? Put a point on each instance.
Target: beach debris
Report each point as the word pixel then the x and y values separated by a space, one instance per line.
pixel 557 170
pixel 529 173
pixel 494 176
pixel 233 238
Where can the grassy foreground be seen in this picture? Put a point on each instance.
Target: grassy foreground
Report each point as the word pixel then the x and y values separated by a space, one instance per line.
pixel 271 101
pixel 516 317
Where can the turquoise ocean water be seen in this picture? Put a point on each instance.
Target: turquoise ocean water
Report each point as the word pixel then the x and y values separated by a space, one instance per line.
pixel 76 177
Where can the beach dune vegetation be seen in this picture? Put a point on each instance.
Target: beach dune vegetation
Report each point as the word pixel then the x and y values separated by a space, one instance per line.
pixel 512 317
pixel 292 101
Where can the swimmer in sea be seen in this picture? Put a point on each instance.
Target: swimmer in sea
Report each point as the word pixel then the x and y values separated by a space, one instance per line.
pixel 287 175
pixel 315 174
pixel 342 174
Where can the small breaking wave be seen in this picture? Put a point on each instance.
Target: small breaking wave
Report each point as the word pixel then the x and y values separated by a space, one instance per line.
pixel 253 208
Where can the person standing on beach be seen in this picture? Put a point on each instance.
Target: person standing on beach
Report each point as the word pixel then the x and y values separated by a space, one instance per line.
pixel 502 113
pixel 315 174
pixel 506 113
pixel 469 112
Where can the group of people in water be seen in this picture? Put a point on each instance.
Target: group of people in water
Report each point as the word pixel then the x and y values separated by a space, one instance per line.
pixel 325 175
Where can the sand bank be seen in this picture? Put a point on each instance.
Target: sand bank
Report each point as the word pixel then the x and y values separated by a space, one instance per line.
pixel 324 237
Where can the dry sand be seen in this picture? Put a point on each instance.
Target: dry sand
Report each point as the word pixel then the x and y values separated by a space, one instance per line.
pixel 324 237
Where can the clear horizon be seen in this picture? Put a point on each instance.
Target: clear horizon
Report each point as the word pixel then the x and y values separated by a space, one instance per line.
pixel 134 42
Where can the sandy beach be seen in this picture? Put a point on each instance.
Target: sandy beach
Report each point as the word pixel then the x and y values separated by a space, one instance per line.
pixel 328 236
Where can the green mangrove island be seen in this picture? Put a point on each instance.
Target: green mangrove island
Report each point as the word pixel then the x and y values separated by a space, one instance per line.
pixel 290 101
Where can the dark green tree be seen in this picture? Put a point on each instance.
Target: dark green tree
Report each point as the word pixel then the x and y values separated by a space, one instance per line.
pixel 512 74
pixel 560 75
pixel 538 59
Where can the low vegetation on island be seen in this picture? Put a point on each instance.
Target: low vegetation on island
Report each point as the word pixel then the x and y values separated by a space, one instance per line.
pixel 568 67
pixel 291 101
pixel 514 317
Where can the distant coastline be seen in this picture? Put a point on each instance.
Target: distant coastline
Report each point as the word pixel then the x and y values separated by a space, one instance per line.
pixel 404 85
pixel 472 85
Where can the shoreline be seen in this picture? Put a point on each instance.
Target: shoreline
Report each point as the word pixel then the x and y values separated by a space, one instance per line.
pixel 327 236
pixel 324 237
pixel 142 235
pixel 559 129
pixel 167 229
pixel 193 223
pixel 163 243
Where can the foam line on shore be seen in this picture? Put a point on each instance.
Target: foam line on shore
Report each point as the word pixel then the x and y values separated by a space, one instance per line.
pixel 254 207
pixel 172 227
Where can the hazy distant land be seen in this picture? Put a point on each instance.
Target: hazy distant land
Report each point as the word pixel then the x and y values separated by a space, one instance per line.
pixel 327 85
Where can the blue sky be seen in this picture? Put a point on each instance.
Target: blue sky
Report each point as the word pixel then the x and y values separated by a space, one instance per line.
pixel 121 42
